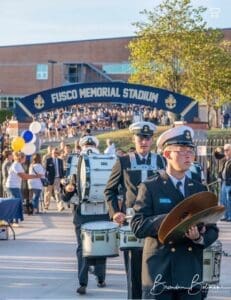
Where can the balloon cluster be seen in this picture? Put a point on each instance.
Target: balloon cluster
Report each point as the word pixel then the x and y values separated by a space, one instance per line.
pixel 25 142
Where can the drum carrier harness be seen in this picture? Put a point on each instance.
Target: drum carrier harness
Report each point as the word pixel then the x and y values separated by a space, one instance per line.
pixel 144 168
pixel 94 204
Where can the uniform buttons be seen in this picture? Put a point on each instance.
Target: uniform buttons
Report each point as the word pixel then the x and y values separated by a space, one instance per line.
pixel 173 249
pixel 170 242
pixel 189 248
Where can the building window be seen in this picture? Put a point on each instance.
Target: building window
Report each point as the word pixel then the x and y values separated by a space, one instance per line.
pixel 118 68
pixel 8 102
pixel 42 72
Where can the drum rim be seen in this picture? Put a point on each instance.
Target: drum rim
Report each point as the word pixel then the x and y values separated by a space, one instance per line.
pixel 123 229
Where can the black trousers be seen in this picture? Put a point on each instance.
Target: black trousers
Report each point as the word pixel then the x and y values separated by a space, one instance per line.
pixel 133 266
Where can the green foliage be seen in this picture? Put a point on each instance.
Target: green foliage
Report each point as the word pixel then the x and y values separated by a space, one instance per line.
pixel 175 50
pixel 5 114
pixel 123 138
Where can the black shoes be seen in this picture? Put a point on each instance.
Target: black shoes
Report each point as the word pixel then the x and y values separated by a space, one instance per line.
pixel 101 284
pixel 81 290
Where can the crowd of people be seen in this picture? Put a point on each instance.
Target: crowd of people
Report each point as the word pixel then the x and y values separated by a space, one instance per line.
pixel 72 121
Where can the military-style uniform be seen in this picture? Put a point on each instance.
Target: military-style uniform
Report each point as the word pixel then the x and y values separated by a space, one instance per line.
pixel 169 271
pixel 79 220
pixel 129 178
pixel 195 172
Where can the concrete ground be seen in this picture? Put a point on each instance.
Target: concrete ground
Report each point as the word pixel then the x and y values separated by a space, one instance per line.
pixel 41 263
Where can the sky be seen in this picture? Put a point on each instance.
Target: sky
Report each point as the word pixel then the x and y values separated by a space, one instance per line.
pixel 44 21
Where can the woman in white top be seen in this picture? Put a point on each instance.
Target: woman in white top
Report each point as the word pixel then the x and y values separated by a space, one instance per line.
pixel 111 149
pixel 16 175
pixel 35 185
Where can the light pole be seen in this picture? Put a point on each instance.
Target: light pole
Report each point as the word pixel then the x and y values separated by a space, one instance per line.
pixel 52 62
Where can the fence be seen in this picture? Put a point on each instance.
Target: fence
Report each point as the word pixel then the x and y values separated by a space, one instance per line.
pixel 210 164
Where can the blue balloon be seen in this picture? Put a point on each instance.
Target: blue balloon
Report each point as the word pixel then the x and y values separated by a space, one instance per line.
pixel 27 135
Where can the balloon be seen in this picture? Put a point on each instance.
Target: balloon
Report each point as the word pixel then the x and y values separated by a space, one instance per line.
pixel 35 127
pixel 33 138
pixel 29 149
pixel 27 135
pixel 17 143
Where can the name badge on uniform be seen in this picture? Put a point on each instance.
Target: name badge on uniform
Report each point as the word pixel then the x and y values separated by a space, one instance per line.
pixel 165 201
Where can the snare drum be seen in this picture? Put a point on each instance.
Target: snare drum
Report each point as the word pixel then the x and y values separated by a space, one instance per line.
pixel 212 263
pixel 128 241
pixel 100 239
pixel 93 173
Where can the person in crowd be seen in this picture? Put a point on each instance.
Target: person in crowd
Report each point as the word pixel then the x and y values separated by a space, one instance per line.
pixel 225 177
pixel 76 146
pixel 16 175
pixel 61 147
pixel 47 155
pixel 86 132
pixel 89 145
pixel 54 172
pixel 64 156
pixel 196 172
pixel 35 185
pixel 173 270
pixel 111 149
pixel 129 171
pixel 120 152
pixel 7 162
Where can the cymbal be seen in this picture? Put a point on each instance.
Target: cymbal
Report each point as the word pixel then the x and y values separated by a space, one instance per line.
pixel 206 216
pixel 186 209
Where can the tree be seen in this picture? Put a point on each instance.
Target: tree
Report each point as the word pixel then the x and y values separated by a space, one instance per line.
pixel 171 51
pixel 210 72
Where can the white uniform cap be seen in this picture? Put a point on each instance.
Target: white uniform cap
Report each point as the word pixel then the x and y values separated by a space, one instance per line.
pixel 89 140
pixel 142 128
pixel 180 135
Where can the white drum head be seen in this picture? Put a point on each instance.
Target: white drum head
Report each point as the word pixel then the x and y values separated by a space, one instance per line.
pixel 100 225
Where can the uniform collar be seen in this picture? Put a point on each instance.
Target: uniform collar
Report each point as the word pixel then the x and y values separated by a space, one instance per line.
pixel 175 180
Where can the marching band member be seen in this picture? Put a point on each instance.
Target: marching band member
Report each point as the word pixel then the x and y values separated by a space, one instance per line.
pixel 89 145
pixel 128 172
pixel 174 270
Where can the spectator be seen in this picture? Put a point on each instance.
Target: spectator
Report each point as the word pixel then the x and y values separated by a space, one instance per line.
pixel 35 185
pixel 111 149
pixel 15 177
pixel 7 162
pixel 225 176
pixel 54 172
pixel 226 118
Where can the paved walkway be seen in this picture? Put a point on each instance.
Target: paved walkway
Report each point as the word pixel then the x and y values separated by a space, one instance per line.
pixel 41 263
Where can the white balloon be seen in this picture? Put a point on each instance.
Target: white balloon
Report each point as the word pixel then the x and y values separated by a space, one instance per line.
pixel 29 149
pixel 35 127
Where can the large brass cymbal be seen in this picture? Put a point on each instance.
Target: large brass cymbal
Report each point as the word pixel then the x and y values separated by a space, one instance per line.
pixel 206 216
pixel 186 208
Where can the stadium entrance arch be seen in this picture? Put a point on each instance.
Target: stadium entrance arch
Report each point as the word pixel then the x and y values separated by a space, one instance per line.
pixel 104 92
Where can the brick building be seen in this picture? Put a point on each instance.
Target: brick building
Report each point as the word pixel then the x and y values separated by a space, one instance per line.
pixel 26 69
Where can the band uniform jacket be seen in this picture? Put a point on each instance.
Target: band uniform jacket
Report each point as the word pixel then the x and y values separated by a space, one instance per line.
pixel 176 264
pixel 123 176
pixel 50 169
